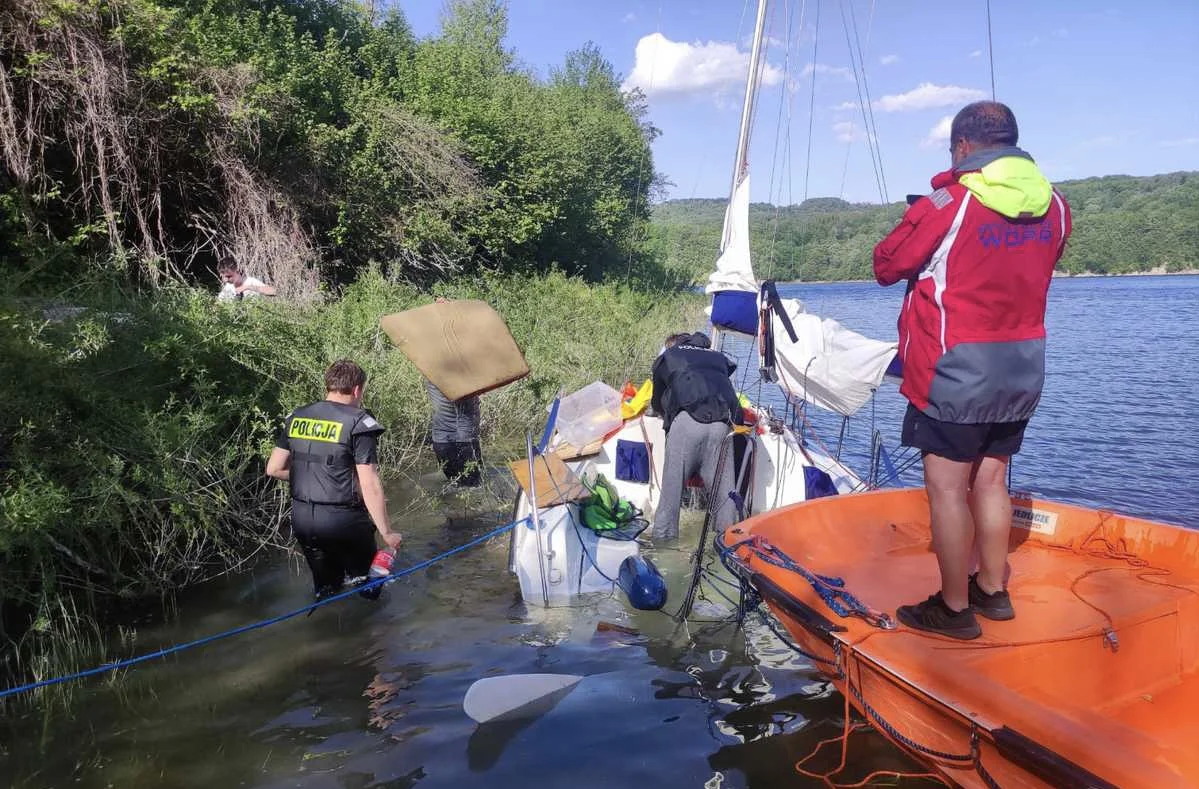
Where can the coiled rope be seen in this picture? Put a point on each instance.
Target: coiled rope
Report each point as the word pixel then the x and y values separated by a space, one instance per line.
pixel 133 661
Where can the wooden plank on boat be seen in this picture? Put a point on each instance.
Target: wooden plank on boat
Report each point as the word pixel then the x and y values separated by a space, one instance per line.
pixel 570 452
pixel 555 482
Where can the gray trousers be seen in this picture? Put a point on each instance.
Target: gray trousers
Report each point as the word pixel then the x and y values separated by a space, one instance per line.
pixel 693 448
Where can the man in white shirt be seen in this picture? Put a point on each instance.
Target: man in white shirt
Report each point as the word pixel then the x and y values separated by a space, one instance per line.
pixel 240 285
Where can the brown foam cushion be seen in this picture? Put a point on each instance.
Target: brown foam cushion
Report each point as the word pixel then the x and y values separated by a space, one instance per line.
pixel 463 347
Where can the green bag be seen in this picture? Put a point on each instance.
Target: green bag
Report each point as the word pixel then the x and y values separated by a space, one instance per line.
pixel 605 511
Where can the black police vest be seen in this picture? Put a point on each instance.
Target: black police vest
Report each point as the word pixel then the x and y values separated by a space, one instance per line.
pixel 320 440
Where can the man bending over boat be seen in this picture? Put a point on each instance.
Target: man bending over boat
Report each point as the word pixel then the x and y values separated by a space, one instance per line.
pixel 978 255
pixel 699 406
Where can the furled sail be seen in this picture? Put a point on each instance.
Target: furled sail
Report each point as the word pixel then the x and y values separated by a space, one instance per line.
pixel 733 287
pixel 734 271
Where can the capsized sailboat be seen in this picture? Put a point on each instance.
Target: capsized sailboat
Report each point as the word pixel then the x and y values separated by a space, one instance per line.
pixel 806 358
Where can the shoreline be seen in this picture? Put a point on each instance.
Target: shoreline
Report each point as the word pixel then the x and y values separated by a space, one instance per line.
pixel 1191 272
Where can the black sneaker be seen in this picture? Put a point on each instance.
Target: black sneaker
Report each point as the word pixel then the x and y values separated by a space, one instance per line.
pixel 997 606
pixel 370 592
pixel 936 617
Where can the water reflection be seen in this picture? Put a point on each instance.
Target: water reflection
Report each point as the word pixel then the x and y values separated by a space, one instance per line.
pixel 370 695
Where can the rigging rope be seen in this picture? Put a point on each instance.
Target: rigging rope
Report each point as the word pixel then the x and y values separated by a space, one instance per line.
pixel 783 133
pixel 119 664
pixel 863 91
pixel 811 105
pixel 866 88
pixel 990 51
pixel 849 143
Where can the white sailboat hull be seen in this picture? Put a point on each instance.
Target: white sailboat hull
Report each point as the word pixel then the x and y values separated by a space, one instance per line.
pixel 577 561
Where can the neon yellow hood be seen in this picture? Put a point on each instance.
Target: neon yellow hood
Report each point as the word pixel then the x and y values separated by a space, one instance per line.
pixel 1011 185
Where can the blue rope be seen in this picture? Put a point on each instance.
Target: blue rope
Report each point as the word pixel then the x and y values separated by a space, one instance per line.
pixel 256 625
pixel 830 588
pixel 908 742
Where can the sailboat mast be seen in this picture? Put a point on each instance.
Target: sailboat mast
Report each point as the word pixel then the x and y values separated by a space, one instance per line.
pixel 747 107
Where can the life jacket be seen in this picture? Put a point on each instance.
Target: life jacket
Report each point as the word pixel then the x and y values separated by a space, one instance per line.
pixel 320 438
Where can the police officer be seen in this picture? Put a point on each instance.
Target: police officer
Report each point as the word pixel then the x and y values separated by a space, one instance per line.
pixel 698 405
pixel 328 453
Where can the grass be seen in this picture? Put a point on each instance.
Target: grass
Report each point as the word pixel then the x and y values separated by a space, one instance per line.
pixel 135 433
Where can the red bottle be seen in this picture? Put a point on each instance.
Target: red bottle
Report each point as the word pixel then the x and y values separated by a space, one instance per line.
pixel 381 564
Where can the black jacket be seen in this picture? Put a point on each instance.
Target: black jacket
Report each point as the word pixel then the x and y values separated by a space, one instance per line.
pixel 694 378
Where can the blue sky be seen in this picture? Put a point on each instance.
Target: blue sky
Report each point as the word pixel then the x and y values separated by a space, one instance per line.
pixel 1098 88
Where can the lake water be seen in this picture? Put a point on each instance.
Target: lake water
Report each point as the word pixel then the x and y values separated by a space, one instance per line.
pixel 370 695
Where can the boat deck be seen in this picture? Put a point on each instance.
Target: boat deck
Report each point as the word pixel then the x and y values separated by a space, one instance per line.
pixel 1055 650
pixel 1102 657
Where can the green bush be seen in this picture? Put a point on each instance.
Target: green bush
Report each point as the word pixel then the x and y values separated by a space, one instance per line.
pixel 135 432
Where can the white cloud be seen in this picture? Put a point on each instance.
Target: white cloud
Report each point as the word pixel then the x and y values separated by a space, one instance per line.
pixel 662 67
pixel 848 131
pixel 844 72
pixel 847 105
pixel 939 134
pixel 1179 142
pixel 927 96
pixel 887 60
pixel 629 17
pixel 747 40
pixel 978 53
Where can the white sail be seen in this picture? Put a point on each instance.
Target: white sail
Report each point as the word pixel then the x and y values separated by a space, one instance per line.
pixel 830 366
pixel 734 270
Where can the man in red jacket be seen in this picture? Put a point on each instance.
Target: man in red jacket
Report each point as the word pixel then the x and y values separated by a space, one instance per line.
pixel 977 254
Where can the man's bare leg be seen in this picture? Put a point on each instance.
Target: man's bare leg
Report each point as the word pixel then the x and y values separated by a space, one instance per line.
pixel 947 482
pixel 991 506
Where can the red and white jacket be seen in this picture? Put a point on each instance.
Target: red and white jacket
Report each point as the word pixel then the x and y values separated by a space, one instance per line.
pixel 978 255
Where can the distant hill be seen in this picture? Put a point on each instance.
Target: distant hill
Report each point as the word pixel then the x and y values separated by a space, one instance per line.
pixel 1122 224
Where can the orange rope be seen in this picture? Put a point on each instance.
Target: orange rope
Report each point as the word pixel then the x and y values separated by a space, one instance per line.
pixel 847 729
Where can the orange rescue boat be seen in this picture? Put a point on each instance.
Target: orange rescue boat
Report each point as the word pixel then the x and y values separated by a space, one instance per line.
pixel 1095 683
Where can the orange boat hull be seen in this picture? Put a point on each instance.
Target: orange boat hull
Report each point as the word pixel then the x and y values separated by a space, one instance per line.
pixel 1094 683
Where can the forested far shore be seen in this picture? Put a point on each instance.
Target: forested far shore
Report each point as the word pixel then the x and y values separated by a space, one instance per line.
pixel 1122 225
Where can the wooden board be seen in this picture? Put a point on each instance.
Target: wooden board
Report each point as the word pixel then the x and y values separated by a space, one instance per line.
pixel 556 484
pixel 568 451
pixel 463 347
